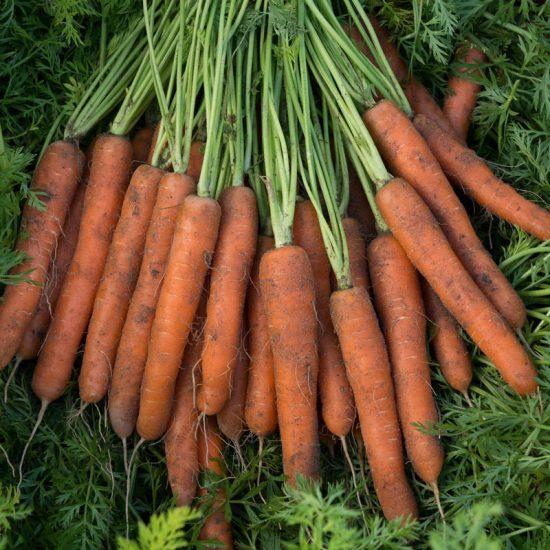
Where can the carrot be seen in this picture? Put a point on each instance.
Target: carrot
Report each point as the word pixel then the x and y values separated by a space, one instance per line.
pixel 134 340
pixel 260 410
pixel 230 276
pixel 117 284
pixel 210 446
pixel 288 294
pixel 357 253
pixel 476 178
pixel 459 104
pixel 449 347
pixel 192 248
pixel 359 208
pixel 196 157
pixel 153 145
pixel 408 156
pixel 418 232
pixel 141 145
pixel 109 176
pixel 337 406
pixel 398 302
pixel 369 374
pixel 55 179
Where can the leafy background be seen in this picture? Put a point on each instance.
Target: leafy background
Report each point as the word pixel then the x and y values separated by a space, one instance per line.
pixel 496 482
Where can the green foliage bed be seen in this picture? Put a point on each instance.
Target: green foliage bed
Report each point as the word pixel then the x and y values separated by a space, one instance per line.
pixel 496 482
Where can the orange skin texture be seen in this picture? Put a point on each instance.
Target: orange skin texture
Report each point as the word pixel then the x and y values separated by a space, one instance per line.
pixel 418 232
pixel 109 178
pixel 261 408
pixel 369 373
pixel 465 168
pixel 56 178
pixel 196 156
pixel 398 302
pixel 192 249
pixel 117 284
pixel 459 104
pixel 231 267
pixel 408 156
pixel 210 447
pixel 288 293
pixel 134 341
pixel 449 347
pixel 337 405
pixel 357 253
pixel 141 144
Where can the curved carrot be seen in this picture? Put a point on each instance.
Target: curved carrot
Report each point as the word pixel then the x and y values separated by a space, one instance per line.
pixel 476 178
pixel 398 302
pixel 192 248
pixel 418 232
pixel 288 293
pixel 109 176
pixel 134 340
pixel 357 252
pixel 337 406
pixel 261 409
pixel 117 284
pixel 141 144
pixel 407 155
pixel 459 104
pixel 55 179
pixel 369 373
pixel 229 280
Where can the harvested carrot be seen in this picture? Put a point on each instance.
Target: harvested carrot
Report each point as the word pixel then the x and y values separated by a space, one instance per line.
pixel 398 302
pixel 141 145
pixel 288 293
pixel 407 155
pixel 233 260
pixel 109 176
pixel 134 341
pixel 196 157
pixel 210 445
pixel 117 284
pixel 55 179
pixel 418 232
pixel 449 347
pixel 357 252
pixel 192 248
pixel 369 374
pixel 261 409
pixel 459 104
pixel 476 178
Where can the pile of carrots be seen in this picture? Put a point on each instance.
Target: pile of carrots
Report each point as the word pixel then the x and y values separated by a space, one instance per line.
pixel 277 241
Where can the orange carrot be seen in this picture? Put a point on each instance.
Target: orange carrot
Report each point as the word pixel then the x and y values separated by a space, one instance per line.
pixel 55 179
pixel 196 156
pixel 357 253
pixel 449 347
pixel 476 178
pixel 117 284
pixel 192 248
pixel 369 374
pixel 459 104
pixel 141 144
pixel 408 156
pixel 134 340
pixel 288 294
pixel 261 409
pixel 109 176
pixel 418 232
pixel 230 276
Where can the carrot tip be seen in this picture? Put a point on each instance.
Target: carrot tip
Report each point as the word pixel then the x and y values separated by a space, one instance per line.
pixel 467 398
pixel 11 376
pixel 435 490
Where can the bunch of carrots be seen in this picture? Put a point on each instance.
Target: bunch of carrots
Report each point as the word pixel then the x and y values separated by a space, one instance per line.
pixel 268 255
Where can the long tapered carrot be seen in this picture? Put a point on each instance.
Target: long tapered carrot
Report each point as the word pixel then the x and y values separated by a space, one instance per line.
pixel 460 102
pixel 337 406
pixel 398 302
pixel 261 408
pixel 477 179
pixel 55 179
pixel 192 248
pixel 369 374
pixel 418 232
pixel 210 446
pixel 357 252
pixel 134 341
pixel 117 284
pixel 141 145
pixel 233 260
pixel 449 347
pixel 288 293
pixel 109 177
pixel 407 155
